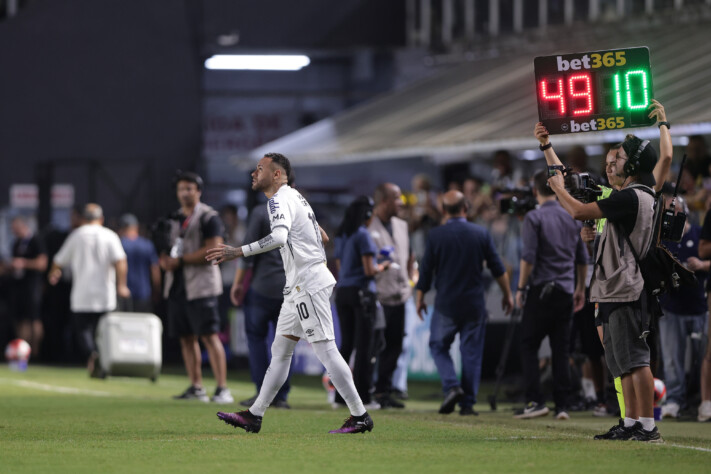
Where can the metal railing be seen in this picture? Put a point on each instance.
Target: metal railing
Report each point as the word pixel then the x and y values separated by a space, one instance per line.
pixel 443 23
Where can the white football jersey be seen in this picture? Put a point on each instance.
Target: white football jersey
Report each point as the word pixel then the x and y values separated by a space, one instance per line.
pixel 303 255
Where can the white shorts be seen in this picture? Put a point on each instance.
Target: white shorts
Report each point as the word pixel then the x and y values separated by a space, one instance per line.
pixel 307 315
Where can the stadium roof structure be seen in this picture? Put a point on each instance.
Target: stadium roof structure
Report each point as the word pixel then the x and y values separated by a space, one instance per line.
pixel 483 105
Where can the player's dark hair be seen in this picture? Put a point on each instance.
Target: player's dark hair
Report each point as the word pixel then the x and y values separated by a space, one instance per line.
pixel 283 162
pixel 357 213
pixel 540 182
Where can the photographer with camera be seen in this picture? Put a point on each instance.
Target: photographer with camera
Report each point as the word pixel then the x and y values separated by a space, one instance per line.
pixel 617 284
pixel 615 178
pixel 553 255
pixel 192 286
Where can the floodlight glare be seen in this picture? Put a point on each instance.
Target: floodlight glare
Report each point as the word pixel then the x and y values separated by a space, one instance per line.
pixel 257 62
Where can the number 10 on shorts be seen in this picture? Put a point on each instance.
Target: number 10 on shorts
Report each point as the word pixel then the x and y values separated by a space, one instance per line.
pixel 303 310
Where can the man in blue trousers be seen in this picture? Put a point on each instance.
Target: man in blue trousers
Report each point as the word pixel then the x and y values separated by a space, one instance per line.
pixel 455 254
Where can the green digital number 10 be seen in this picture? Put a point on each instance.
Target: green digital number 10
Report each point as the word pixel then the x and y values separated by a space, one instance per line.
pixel 639 75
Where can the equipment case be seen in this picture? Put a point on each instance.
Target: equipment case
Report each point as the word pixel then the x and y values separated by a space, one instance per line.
pixel 129 344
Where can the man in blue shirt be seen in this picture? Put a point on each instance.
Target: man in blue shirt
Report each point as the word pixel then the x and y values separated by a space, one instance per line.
pixel 143 276
pixel 552 253
pixel 455 254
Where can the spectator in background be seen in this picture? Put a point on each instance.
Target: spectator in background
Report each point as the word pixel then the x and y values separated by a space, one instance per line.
pixel 393 289
pixel 262 303
pixel 476 197
pixel 551 286
pixel 455 255
pixel 192 286
pixel 143 271
pixel 704 413
pixel 29 261
pixel 355 293
pixel 56 305
pixel 698 159
pixel 685 313
pixel 503 175
pixel 99 268
pixel 424 214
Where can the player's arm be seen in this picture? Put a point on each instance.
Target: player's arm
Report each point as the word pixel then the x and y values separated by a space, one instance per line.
pixel 661 169
pixel 541 134
pixel 223 253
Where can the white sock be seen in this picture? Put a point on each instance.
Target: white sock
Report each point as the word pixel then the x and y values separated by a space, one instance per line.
pixel 647 423
pixel 629 422
pixel 340 374
pixel 588 389
pixel 278 371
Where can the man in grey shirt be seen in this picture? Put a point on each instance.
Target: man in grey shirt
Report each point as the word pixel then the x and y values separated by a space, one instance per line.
pixel 262 302
pixel 553 253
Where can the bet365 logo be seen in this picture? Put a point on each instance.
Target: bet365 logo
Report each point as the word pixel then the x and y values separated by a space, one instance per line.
pixel 609 123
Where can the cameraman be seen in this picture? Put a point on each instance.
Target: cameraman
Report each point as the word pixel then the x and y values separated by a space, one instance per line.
pixel 617 283
pixel 615 178
pixel 552 255
pixel 192 286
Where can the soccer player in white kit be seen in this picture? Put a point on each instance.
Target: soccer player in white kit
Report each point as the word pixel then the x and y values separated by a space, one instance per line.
pixel 306 311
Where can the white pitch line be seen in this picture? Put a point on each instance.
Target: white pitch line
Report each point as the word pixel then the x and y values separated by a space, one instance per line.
pixel 56 388
pixel 577 436
pixel 695 448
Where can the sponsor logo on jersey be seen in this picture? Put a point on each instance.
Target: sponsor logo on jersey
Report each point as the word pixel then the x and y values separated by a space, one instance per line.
pixel 309 332
pixel 277 217
pixel 273 206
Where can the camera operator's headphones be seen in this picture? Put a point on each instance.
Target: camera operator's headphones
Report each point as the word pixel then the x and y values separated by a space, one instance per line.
pixel 188 176
pixel 632 166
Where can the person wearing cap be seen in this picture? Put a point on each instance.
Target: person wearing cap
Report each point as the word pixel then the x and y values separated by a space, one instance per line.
pixel 143 271
pixel 617 284
pixel 615 179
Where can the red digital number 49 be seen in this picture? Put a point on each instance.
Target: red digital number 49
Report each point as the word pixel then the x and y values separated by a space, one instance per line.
pixel 574 82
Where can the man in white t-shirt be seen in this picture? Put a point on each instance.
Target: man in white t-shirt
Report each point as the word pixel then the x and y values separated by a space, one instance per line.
pixel 98 264
pixel 306 311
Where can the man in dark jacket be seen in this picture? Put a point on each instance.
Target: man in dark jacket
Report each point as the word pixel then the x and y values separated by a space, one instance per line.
pixel 455 253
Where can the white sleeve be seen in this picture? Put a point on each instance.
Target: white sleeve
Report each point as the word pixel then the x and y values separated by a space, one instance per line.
pixel 64 255
pixel 116 250
pixel 272 241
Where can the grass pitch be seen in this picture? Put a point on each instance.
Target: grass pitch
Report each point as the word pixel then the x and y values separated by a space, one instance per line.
pixel 56 420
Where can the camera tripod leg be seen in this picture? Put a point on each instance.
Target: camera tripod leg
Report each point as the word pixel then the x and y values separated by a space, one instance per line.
pixel 501 367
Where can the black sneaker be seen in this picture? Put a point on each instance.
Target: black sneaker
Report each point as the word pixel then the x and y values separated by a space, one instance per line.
pixel 355 424
pixel 249 402
pixel 193 393
pixel 399 394
pixel 531 410
pixel 619 432
pixel 242 419
pixel 453 396
pixel 279 404
pixel 468 411
pixel 387 401
pixel 652 436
